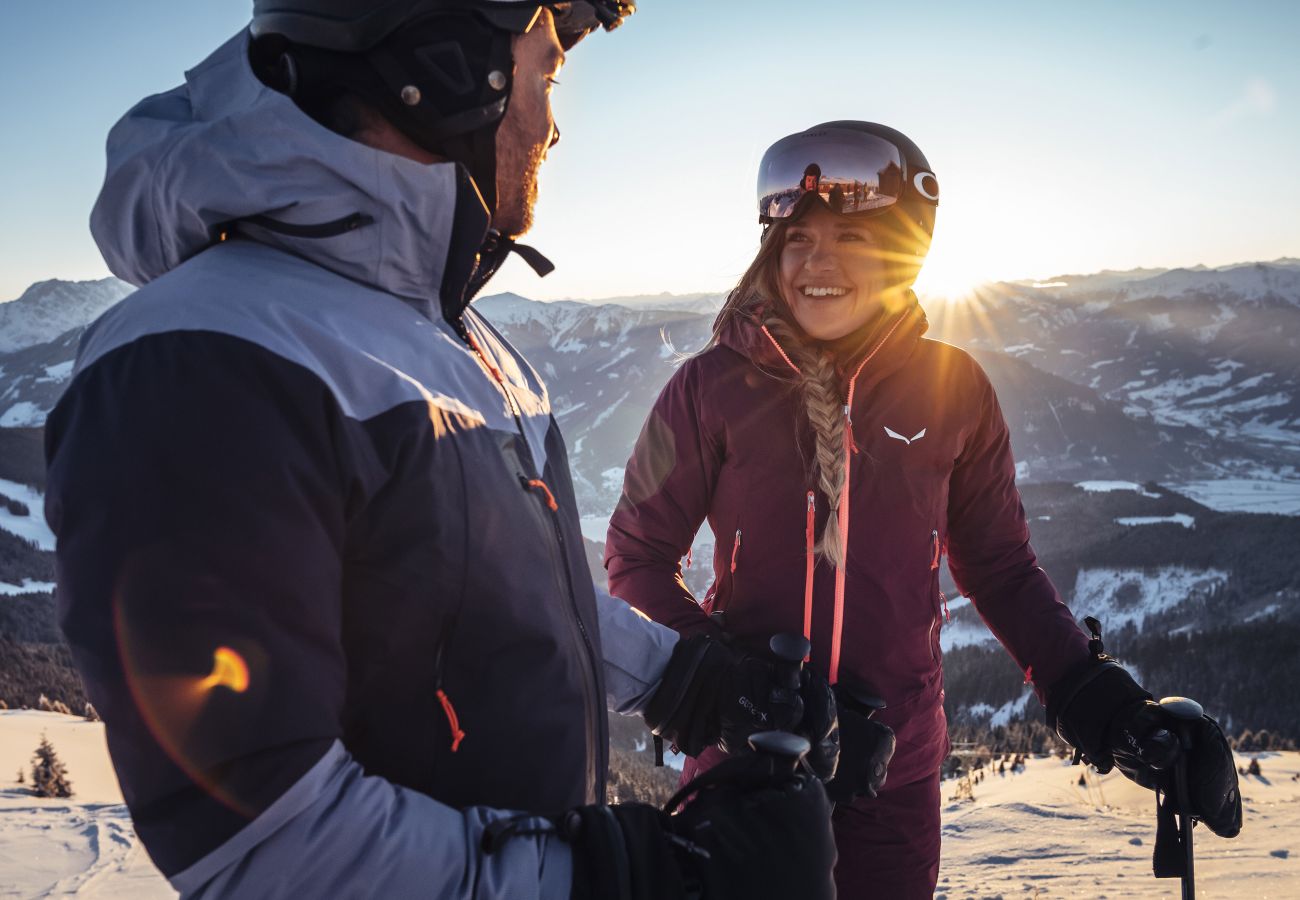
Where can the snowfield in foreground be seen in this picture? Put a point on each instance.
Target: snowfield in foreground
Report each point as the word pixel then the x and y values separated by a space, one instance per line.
pixel 1037 834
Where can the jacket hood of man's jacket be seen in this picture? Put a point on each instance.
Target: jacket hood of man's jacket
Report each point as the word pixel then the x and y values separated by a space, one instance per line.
pixel 223 147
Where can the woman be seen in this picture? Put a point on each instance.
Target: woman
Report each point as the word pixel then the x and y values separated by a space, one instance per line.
pixel 837 456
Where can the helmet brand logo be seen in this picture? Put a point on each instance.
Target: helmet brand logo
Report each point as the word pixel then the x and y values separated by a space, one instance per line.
pixel 926 185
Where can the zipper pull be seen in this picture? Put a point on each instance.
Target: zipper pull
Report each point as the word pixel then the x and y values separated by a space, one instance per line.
pixel 947 619
pixel 735 549
pixel 935 550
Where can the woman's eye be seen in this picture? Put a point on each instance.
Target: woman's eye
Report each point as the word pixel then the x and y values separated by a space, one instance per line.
pixel 852 236
pixel 797 237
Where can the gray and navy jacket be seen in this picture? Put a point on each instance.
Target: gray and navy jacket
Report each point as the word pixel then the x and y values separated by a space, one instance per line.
pixel 319 556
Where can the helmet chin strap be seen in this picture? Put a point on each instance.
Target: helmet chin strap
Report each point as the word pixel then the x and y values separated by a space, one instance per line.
pixel 496 247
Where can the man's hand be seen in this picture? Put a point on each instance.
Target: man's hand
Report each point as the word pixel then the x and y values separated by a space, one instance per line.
pixel 754 827
pixel 710 695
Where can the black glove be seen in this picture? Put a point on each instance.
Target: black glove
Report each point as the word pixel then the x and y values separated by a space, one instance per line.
pixel 765 827
pixel 1145 747
pixel 866 747
pixel 710 695
pixel 820 725
pixel 1111 721
pixel 751 830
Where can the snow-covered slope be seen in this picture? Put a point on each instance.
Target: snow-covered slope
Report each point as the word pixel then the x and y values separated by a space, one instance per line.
pixel 1040 834
pixel 47 309
pixel 1035 833
pixel 84 846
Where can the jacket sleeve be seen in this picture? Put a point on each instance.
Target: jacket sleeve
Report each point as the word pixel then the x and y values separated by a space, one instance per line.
pixel 990 557
pixel 199 491
pixel 666 493
pixel 636 652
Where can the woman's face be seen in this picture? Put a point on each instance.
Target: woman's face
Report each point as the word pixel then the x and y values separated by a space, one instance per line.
pixel 831 273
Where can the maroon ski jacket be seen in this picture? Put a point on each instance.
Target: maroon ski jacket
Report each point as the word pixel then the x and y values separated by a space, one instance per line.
pixel 930 472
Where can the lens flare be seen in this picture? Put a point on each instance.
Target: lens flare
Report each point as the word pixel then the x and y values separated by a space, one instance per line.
pixel 228 670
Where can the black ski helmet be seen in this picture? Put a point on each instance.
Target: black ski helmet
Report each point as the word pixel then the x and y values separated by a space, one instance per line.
pixel 440 71
pixel 889 180
pixel 919 202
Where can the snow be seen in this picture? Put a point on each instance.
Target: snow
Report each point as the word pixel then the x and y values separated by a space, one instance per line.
pixel 595 528
pixel 31 527
pixel 961 632
pixel 1161 322
pixel 1035 833
pixel 612 479
pixel 1107 486
pixel 58 372
pixel 27 587
pixel 1177 519
pixel 1121 596
pixel 83 846
pixel 23 414
pixel 1241 495
pixel 600 419
pixel 1039 834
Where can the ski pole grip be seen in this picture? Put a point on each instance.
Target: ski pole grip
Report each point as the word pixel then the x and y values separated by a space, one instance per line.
pixel 1184 712
pixel 858 700
pixel 790 651
pixel 782 748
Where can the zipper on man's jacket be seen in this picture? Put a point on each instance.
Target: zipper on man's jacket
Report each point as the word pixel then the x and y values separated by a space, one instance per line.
pixel 600 752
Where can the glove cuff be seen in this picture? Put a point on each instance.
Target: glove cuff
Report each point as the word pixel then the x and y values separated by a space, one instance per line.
pixel 1082 705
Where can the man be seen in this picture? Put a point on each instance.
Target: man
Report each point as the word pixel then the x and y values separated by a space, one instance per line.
pixel 319 555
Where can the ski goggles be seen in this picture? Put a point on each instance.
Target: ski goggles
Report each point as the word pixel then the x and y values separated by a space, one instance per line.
pixel 852 172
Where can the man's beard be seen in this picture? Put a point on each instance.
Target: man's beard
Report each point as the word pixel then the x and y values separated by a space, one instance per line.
pixel 517 189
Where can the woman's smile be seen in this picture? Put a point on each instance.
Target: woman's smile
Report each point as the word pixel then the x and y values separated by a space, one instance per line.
pixel 831 273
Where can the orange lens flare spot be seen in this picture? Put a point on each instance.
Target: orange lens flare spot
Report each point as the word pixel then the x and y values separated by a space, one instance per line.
pixel 228 670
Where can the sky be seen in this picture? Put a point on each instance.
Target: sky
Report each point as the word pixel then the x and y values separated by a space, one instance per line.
pixel 1067 137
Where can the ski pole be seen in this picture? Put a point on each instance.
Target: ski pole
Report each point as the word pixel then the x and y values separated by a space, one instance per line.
pixel 790 651
pixel 1184 712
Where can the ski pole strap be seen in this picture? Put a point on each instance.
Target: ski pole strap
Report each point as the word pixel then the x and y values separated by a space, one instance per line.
pixel 1169 859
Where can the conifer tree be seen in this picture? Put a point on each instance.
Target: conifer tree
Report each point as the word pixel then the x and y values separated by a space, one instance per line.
pixel 49 774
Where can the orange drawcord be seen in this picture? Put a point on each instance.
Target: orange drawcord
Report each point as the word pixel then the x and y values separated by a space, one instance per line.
pixel 837 625
pixel 452 719
pixel 837 629
pixel 690 554
pixel 1029 675
pixel 487 361
pixel 777 345
pixel 735 548
pixel 809 562
pixel 550 498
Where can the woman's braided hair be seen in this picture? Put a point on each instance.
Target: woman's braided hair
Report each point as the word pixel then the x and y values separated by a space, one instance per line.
pixel 819 385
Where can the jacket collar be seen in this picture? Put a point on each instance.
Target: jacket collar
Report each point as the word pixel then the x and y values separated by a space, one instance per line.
pixel 744 335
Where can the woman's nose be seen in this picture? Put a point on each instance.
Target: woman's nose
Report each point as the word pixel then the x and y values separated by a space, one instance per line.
pixel 822 259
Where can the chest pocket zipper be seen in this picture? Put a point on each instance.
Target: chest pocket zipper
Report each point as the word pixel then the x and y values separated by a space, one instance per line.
pixel 936 556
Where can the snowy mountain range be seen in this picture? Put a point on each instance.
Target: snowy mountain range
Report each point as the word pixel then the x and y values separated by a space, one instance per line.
pixel 1180 386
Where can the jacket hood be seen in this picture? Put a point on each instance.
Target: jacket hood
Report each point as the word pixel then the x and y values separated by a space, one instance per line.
pixel 744 334
pixel 223 147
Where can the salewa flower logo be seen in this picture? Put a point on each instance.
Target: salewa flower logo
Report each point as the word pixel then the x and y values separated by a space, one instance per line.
pixel 906 440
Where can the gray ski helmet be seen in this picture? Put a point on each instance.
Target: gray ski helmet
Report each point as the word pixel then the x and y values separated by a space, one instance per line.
pixel 440 71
